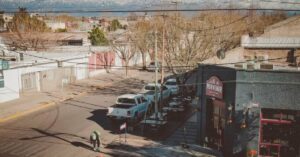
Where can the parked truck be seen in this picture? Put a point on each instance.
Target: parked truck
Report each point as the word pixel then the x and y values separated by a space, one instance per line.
pixel 129 107
pixel 149 91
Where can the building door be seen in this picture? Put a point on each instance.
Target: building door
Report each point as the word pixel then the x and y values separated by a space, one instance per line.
pixel 215 124
pixel 29 82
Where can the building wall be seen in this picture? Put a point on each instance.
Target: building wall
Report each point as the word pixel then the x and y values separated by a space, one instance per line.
pixel 79 65
pixel 33 69
pixel 272 89
pixel 98 60
pixel 247 89
pixel 267 89
pixel 269 53
pixel 53 80
pixel 11 86
pixel 56 25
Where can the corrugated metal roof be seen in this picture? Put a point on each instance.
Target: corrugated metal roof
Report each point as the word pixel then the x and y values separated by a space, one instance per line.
pixel 270 42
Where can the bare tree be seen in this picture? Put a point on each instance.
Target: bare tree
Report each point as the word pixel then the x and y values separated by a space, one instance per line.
pixel 125 49
pixel 142 38
pixel 192 40
pixel 25 32
pixel 107 60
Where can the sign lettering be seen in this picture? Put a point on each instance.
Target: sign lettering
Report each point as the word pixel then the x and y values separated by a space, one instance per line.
pixel 214 87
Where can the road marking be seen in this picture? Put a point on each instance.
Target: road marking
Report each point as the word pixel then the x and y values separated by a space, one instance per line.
pixel 26 112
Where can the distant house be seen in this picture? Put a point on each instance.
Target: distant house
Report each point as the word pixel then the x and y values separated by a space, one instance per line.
pixel 281 40
pixel 7 19
pixel 55 25
pixel 42 71
pixel 104 24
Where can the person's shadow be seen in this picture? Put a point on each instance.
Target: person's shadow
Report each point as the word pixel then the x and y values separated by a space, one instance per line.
pixel 81 144
pixel 56 135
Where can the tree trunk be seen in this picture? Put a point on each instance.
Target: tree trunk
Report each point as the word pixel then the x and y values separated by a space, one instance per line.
pixel 126 68
pixel 144 60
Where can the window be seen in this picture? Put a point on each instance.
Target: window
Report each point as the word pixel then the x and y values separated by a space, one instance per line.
pixel 1 79
pixel 164 88
pixel 139 100
pixel 144 99
pixel 171 83
pixel 29 81
pixel 126 100
pixel 150 87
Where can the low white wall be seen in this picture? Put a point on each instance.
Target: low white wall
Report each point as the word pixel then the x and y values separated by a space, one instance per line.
pixel 11 86
pixel 80 67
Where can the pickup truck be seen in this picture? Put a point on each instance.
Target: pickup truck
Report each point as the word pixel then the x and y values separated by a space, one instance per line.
pixel 149 91
pixel 129 107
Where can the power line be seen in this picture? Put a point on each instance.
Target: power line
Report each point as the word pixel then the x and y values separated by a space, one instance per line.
pixel 283 2
pixel 215 27
pixel 247 61
pixel 157 10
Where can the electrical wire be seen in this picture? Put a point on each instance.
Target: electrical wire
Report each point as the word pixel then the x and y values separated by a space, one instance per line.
pixel 158 10
pixel 102 65
pixel 283 2
pixel 213 28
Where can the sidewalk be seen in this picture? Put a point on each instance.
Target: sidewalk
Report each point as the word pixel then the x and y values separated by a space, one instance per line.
pixel 35 101
pixel 143 148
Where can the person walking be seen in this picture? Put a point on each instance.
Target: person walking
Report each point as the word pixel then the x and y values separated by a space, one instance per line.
pixel 95 140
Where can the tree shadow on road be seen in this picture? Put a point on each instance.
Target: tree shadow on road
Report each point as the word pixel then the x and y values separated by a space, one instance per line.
pixel 58 136
pixel 123 87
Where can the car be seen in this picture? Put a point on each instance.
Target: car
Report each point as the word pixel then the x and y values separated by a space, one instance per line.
pixel 151 66
pixel 149 91
pixel 175 105
pixel 172 85
pixel 129 107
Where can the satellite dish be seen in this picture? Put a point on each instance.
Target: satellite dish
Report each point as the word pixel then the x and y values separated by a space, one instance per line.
pixel 221 54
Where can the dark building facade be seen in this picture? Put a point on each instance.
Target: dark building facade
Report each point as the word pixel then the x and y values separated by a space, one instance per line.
pixel 249 112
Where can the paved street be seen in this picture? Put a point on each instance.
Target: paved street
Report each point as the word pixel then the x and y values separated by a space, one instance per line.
pixel 63 129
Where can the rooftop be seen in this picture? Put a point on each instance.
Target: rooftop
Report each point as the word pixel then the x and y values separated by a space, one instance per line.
pixel 270 42
pixel 258 66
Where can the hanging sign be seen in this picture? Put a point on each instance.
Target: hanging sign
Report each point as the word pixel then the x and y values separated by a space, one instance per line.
pixel 214 87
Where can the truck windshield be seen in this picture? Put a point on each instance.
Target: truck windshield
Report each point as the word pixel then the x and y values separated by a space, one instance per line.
pixel 151 88
pixel 171 83
pixel 126 101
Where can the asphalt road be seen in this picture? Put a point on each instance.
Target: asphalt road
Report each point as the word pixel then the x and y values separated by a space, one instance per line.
pixel 63 130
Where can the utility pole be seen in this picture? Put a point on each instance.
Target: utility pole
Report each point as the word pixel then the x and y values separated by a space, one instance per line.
pixel 176 3
pixel 163 52
pixel 156 75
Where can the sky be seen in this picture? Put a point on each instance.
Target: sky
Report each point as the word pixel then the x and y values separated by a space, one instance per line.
pixel 144 4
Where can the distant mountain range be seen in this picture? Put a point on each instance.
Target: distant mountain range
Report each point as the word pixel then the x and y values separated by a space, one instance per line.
pixel 90 5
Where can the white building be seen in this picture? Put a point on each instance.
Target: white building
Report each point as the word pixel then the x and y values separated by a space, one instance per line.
pixel 55 25
pixel 36 74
